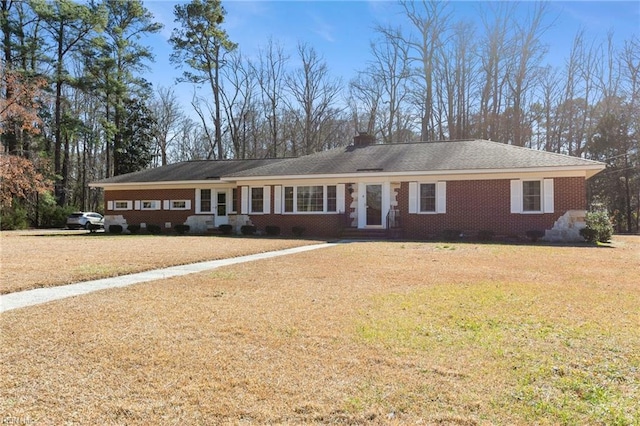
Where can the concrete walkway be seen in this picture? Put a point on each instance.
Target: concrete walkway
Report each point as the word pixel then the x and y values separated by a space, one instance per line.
pixel 43 295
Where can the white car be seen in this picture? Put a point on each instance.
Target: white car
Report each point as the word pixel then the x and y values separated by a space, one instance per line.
pixel 83 220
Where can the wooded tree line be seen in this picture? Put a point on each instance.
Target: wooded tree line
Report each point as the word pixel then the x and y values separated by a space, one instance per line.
pixel 76 104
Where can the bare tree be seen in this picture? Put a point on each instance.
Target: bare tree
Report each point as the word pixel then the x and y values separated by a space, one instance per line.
pixel 430 22
pixel 528 52
pixel 314 92
pixel 168 115
pixel 238 100
pixel 270 72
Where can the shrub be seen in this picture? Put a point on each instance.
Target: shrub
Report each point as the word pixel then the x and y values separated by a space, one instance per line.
pixel 298 231
pixel 599 227
pixel 182 228
pixel 248 229
pixel 534 234
pixel 14 217
pixel 589 235
pixel 226 229
pixel 272 230
pixel 134 229
pixel 485 235
pixel 154 229
pixel 115 229
pixel 451 234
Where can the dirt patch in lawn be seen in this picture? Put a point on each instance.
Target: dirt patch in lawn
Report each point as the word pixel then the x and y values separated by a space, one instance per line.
pixel 387 333
pixel 40 259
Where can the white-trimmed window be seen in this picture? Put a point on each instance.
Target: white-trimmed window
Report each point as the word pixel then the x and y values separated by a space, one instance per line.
pixel 179 204
pixel 532 196
pixel 427 197
pixel 204 202
pixel 234 201
pixel 122 205
pixel 257 199
pixel 313 198
pixel 150 205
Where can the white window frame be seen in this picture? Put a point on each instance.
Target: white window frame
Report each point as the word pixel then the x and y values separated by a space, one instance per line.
pixel 172 204
pixel 441 197
pixel 129 205
pixel 199 201
pixel 266 199
pixel 546 196
pixel 340 203
pixel 154 205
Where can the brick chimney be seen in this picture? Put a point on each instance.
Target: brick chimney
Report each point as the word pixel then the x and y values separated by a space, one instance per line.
pixel 363 139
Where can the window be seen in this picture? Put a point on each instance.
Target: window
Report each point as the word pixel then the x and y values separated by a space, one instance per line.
pixel 122 205
pixel 531 196
pixel 288 199
pixel 428 197
pixel 332 198
pixel 310 198
pixel 205 200
pixel 234 200
pixel 257 200
pixel 179 205
pixel 150 205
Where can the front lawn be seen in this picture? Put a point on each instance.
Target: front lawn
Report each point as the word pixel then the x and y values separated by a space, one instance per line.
pixel 360 333
pixel 32 260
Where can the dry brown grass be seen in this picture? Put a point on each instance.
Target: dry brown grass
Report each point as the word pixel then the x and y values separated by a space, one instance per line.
pixel 388 333
pixel 37 259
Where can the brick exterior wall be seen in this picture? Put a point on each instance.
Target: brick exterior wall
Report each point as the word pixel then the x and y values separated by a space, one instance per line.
pixel 157 217
pixel 472 206
pixel 484 205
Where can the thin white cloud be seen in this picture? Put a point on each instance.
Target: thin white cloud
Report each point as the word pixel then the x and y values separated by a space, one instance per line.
pixel 322 28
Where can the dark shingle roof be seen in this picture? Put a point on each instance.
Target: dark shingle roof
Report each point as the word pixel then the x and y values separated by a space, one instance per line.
pixel 418 157
pixel 448 156
pixel 190 171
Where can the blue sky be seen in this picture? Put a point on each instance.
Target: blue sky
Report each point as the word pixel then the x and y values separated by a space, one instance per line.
pixel 341 31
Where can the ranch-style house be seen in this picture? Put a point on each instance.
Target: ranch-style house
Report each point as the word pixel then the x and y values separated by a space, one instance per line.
pixel 408 190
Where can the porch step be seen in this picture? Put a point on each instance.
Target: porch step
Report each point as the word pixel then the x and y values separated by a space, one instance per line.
pixel 370 234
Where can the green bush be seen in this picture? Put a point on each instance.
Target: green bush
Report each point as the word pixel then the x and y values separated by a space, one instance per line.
pixel 154 229
pixel 182 228
pixel 14 217
pixel 298 231
pixel 248 229
pixel 134 229
pixel 272 230
pixel 599 227
pixel 115 229
pixel 226 229
pixel 52 215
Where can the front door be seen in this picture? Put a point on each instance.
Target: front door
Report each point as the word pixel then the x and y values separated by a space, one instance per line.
pixel 221 217
pixel 374 205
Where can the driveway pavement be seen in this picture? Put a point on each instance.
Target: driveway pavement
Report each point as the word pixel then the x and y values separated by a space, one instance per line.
pixel 43 295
